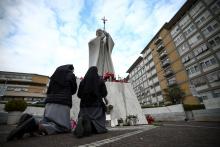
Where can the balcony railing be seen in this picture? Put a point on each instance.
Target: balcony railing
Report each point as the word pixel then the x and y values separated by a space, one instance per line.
pixel 172 82
pixel 163 54
pixel 158 39
pixel 168 72
pixel 165 63
pixel 160 47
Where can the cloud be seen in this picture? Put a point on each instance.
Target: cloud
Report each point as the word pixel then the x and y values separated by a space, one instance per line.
pixel 37 36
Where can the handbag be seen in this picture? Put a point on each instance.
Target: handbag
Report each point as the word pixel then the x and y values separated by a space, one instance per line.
pixel 109 108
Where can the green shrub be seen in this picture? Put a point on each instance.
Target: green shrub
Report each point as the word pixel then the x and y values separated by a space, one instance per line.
pixel 15 105
pixel 37 105
pixel 188 107
pixel 168 103
pixel 147 106
pixel 120 120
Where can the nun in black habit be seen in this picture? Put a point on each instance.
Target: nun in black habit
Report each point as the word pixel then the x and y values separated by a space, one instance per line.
pixel 91 118
pixel 58 102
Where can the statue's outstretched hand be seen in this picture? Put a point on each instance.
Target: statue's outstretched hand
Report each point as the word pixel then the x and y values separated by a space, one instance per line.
pixel 106 33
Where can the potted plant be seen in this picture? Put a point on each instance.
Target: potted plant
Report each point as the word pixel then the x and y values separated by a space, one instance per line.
pixel 131 120
pixel 120 122
pixel 15 109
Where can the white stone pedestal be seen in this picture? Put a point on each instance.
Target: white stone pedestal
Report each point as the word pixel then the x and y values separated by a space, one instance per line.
pixel 123 99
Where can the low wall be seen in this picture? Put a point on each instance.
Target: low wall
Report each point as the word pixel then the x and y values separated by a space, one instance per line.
pixel 36 111
pixel 173 116
pixel 213 103
pixel 207 115
pixel 169 113
pixel 3 117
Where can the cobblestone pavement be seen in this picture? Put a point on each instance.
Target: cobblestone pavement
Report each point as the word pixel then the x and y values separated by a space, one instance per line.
pixel 162 134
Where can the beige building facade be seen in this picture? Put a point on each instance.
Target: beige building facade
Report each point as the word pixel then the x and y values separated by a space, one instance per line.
pixel 30 87
pixel 185 52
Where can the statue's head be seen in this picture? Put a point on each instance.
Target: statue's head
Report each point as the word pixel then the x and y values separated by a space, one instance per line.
pixel 99 32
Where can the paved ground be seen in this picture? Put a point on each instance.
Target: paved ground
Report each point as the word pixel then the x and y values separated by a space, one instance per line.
pixel 164 134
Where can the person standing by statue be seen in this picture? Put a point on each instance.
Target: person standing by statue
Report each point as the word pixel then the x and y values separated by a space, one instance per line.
pixel 100 50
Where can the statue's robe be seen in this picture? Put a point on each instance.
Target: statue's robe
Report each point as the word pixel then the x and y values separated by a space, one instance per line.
pixel 100 49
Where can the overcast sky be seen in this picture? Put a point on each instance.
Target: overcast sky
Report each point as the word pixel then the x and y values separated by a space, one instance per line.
pixel 36 36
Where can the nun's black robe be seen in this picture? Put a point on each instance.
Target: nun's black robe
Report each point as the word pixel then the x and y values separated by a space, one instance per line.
pixel 91 91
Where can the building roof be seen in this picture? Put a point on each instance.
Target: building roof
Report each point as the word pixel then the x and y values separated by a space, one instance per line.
pixel 163 27
pixel 23 94
pixel 182 11
pixel 139 59
pixel 19 73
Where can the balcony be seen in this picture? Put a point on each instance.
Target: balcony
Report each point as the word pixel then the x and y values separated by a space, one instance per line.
pixel 160 47
pixel 171 82
pixel 165 63
pixel 168 72
pixel 158 39
pixel 152 90
pixel 163 54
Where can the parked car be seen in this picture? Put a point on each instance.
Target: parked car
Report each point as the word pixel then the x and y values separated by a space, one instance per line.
pixel 39 102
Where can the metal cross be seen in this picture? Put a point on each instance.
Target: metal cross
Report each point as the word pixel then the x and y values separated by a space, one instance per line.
pixel 104 20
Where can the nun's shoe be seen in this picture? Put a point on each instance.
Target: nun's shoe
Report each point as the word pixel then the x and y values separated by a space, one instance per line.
pixel 27 126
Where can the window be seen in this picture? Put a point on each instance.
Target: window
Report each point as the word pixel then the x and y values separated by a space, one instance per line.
pixel 17 89
pixel 10 88
pixel 187 58
pixel 189 30
pixel 214 42
pixel 216 7
pixel 197 38
pixel 204 96
pixel 175 31
pixel 208 1
pixel 193 69
pixel 208 62
pixel 179 39
pixel 196 9
pixel 218 54
pixel 216 93
pixel 214 77
pixel 156 84
pixel 159 93
pixel 210 28
pixel 201 49
pixel 203 18
pixel 171 80
pixel 199 81
pixel 185 21
pixel 183 48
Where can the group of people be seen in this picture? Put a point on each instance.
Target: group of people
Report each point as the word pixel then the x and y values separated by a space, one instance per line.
pixel 56 119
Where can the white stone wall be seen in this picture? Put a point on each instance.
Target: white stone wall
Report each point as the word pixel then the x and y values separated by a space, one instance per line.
pixel 36 111
pixel 213 103
pixel 207 115
pixel 123 99
pixel 167 109
pixel 169 113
